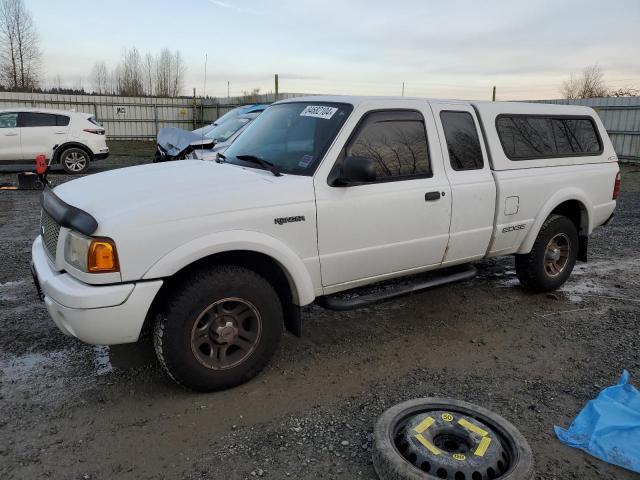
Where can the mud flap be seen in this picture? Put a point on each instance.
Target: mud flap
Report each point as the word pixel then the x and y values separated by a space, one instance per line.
pixel 293 319
pixel 583 244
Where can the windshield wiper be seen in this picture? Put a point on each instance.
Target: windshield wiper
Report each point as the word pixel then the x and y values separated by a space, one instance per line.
pixel 267 165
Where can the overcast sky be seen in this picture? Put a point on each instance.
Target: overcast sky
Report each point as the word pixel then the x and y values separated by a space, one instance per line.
pixel 454 48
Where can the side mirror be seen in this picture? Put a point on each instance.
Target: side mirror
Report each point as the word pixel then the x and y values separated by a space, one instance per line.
pixel 355 170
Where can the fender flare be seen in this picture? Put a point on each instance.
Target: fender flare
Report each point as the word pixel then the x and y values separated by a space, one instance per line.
pixel 561 196
pixel 234 240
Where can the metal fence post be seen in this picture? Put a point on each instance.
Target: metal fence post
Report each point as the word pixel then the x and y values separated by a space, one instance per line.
pixel 155 117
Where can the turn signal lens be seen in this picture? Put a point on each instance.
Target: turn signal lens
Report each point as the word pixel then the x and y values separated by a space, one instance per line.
pixel 102 256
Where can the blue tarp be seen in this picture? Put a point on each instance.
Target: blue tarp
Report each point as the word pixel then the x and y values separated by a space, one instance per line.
pixel 609 426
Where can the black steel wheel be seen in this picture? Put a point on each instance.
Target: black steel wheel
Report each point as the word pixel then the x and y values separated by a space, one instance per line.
pixel 220 326
pixel 552 256
pixel 433 438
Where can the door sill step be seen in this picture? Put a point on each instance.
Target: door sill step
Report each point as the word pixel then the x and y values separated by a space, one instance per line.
pixel 370 294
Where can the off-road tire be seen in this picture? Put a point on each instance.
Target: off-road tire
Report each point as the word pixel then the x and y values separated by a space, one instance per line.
pixel 173 326
pixel 81 167
pixel 389 463
pixel 530 267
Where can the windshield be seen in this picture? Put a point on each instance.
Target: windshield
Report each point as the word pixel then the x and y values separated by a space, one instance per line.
pixel 292 136
pixel 221 133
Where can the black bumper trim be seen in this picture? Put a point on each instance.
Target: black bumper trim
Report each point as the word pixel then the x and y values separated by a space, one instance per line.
pixel 67 215
pixel 100 156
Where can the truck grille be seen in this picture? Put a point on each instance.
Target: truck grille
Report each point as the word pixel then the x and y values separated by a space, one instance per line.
pixel 50 231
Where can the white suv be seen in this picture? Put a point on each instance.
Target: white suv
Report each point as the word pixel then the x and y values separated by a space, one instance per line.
pixel 71 139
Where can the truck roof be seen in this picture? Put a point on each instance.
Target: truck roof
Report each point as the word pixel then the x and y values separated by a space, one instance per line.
pixel 487 107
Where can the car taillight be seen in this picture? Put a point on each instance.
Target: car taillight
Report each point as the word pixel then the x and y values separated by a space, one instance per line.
pixel 616 187
pixel 97 131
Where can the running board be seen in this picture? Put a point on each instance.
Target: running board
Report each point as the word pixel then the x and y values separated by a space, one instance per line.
pixel 364 296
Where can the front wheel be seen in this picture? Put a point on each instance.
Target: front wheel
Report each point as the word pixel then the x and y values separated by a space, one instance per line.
pixel 219 329
pixel 552 256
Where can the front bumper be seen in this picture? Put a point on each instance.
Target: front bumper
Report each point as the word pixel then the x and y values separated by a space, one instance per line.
pixel 101 315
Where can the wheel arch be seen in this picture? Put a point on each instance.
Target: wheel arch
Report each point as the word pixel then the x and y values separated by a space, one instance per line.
pixel 71 144
pixel 241 246
pixel 572 204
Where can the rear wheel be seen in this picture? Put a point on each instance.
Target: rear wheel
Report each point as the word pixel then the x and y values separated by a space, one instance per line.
pixel 220 329
pixel 552 256
pixel 74 160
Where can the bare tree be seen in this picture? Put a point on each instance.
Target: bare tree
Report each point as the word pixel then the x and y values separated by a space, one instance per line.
pixel 178 71
pixel 129 73
pixel 589 84
pixel 100 78
pixel 19 46
pixel 163 73
pixel 625 92
pixel 170 71
pixel 149 71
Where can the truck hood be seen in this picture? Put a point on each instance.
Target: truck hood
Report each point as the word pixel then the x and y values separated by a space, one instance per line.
pixel 173 191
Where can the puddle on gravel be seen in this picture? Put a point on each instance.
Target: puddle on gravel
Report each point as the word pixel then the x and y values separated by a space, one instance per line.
pixel 23 367
pixel 12 290
pixel 101 360
pixel 587 280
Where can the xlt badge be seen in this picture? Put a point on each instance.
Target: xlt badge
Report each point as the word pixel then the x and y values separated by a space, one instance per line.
pixel 283 220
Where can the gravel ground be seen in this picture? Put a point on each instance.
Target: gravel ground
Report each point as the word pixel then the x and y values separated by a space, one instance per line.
pixel 69 410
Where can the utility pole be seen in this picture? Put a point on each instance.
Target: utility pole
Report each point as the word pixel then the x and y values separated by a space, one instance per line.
pixel 403 89
pixel 276 79
pixel 493 97
pixel 195 108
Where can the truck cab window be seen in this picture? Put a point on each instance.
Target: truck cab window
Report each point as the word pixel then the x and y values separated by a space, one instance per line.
pixel 462 139
pixel 396 141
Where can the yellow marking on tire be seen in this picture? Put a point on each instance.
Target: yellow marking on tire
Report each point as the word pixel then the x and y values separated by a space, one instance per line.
pixel 482 447
pixel 472 428
pixel 423 425
pixel 427 444
pixel 447 417
pixel 459 456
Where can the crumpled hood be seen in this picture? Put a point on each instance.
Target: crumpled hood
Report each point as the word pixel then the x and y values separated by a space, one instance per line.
pixel 166 192
pixel 175 141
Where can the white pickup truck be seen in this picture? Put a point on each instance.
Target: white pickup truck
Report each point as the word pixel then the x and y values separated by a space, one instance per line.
pixel 318 196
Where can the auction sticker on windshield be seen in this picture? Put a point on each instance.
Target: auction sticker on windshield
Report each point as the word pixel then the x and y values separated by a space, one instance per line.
pixel 318 111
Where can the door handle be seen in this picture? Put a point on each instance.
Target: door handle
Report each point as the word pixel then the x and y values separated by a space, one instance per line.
pixel 11 134
pixel 60 133
pixel 431 196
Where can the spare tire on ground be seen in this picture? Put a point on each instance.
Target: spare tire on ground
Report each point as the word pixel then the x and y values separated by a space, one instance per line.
pixel 432 438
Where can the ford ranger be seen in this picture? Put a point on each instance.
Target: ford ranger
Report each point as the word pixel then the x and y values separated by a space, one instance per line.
pixel 318 196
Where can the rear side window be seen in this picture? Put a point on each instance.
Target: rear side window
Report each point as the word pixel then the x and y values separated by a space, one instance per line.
pixel 529 137
pixel 94 121
pixel 462 139
pixel 62 120
pixel 397 142
pixel 575 136
pixel 33 119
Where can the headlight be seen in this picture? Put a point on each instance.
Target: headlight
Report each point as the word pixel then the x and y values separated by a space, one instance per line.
pixel 92 255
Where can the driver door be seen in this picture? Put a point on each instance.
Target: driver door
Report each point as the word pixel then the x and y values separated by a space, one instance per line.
pixel 397 224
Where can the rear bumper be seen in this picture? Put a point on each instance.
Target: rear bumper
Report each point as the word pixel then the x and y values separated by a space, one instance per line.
pixel 100 156
pixel 101 315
